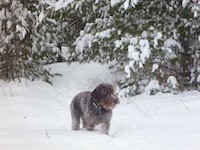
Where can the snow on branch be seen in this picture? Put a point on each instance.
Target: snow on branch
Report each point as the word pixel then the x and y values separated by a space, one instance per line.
pixel 185 3
pixel 153 87
pixel 22 31
pixel 130 2
pixel 84 41
pixel 172 82
pixel 145 50
pixel 57 5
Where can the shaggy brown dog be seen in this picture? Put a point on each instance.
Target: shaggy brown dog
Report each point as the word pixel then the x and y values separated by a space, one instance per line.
pixel 94 108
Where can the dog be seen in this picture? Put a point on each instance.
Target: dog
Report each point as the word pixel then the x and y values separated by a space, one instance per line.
pixel 93 108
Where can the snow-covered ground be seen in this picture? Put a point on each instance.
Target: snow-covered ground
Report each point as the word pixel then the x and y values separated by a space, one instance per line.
pixel 36 116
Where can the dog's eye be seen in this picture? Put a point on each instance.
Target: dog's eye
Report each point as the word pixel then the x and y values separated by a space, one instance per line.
pixel 100 105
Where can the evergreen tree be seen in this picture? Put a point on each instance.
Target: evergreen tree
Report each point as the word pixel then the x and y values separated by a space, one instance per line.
pixel 155 43
pixel 60 25
pixel 18 55
pixel 14 46
pixel 151 40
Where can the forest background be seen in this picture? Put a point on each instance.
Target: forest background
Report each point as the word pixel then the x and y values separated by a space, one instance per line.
pixel 150 46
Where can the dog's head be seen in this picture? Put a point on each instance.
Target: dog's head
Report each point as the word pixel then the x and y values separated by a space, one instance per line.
pixel 104 96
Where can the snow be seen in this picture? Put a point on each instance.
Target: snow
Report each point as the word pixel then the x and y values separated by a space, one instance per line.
pixel 51 20
pixel 198 78
pixel 8 38
pixel 157 37
pixel 133 53
pixel 36 116
pixel 171 43
pixel 41 16
pixel 22 31
pixel 145 50
pixel 114 2
pixel 84 41
pixel 104 34
pixel 49 2
pixel 118 43
pixel 9 24
pixel 126 4
pixel 128 71
pixel 154 67
pixel 144 34
pixel 134 2
pixel 172 82
pixel 152 87
pixel 138 53
pixel 57 4
pixel 62 4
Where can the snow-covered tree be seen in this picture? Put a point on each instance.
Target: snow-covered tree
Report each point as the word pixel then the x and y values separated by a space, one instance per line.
pixel 18 56
pixel 155 43
pixel 59 26
pixel 14 47
pixel 149 40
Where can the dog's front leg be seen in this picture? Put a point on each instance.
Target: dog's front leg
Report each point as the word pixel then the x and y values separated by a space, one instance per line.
pixel 90 127
pixel 105 127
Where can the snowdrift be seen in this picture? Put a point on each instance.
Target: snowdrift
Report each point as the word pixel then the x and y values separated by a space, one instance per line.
pixel 36 116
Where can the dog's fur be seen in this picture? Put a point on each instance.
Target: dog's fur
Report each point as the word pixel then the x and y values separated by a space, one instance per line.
pixel 94 108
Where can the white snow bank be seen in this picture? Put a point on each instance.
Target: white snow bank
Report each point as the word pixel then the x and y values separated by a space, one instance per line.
pixel 36 116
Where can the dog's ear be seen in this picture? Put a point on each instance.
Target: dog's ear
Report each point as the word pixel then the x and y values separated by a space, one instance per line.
pixel 96 95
